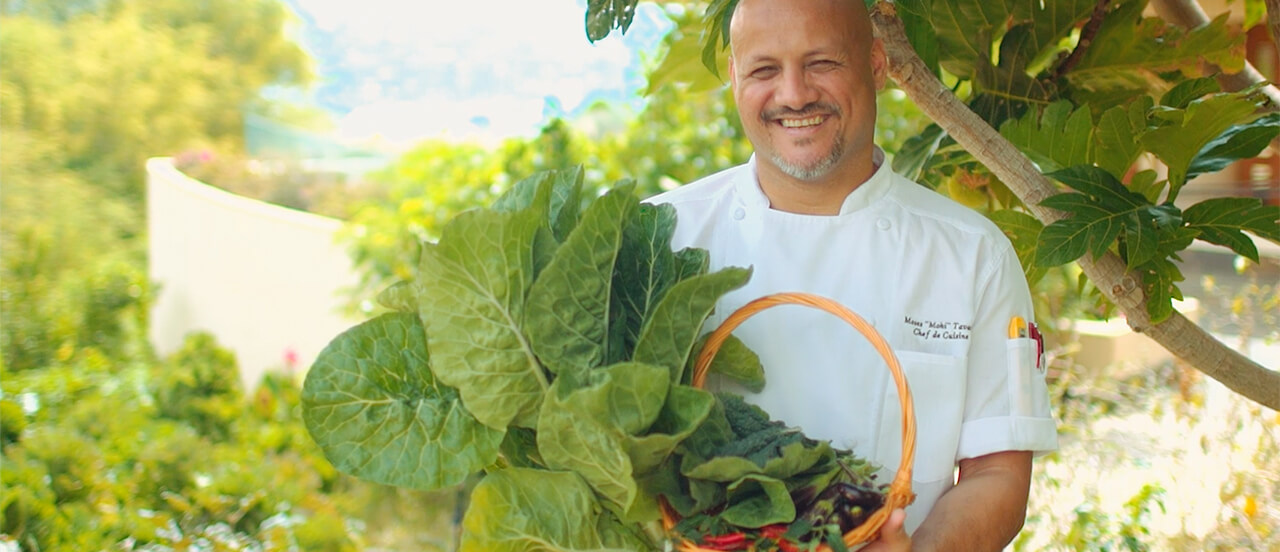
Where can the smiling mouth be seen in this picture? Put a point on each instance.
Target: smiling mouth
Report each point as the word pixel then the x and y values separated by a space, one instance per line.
pixel 802 123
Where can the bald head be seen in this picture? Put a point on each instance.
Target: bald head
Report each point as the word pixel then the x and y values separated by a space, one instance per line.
pixel 850 13
pixel 805 75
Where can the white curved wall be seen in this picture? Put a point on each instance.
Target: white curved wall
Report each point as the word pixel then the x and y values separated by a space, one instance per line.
pixel 265 280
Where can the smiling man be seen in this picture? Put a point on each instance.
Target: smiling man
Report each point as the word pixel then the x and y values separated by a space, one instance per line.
pixel 817 209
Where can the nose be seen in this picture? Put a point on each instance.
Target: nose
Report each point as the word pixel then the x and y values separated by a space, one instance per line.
pixel 794 90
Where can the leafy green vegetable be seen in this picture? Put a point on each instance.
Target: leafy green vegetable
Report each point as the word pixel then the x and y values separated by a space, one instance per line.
pixel 567 315
pixel 557 335
pixel 374 408
pixel 471 296
pixel 521 509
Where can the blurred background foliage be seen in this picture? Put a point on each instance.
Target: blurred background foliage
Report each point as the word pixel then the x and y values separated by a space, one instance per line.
pixel 104 445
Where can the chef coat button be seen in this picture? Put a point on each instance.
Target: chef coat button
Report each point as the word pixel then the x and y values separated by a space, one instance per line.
pixel 739 213
pixel 882 224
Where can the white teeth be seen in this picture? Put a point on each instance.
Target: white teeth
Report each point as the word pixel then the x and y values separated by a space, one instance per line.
pixel 798 123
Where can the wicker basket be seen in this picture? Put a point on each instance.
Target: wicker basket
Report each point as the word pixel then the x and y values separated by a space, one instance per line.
pixel 900 493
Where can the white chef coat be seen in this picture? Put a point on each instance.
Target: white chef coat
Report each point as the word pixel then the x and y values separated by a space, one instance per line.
pixel 937 280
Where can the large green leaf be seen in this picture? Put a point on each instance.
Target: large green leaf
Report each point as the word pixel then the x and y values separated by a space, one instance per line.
pixel 567 314
pixel 646 267
pixel 1052 21
pixel 1182 94
pixel 1055 139
pixel 758 500
pixel 575 439
pixel 471 291
pixel 627 396
pixel 684 411
pixel 1130 52
pixel 1242 141
pixel 1186 133
pixel 1223 220
pixel 736 361
pixel 528 510
pixel 669 334
pixel 965 31
pixel 376 412
pixel 791 460
pixel 1117 137
pixel 916 23
pixel 1099 214
pixel 558 193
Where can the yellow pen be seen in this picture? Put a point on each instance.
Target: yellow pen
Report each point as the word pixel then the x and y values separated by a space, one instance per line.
pixel 1017 327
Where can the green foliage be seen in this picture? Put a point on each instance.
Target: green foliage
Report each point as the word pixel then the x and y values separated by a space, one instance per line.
pixel 527 317
pixel 113 83
pixel 200 384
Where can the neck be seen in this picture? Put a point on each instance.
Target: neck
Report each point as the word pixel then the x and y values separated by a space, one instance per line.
pixel 822 196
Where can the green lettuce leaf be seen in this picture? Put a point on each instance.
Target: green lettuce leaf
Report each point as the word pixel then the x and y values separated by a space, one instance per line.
pixel 684 411
pixel 372 405
pixel 758 500
pixel 567 314
pixel 471 295
pixel 583 424
pixel 522 510
pixel 669 334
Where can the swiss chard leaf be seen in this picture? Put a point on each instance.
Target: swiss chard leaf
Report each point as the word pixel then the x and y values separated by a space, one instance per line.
pixel 520 509
pixel 558 193
pixel 1223 221
pixel 471 295
pixel 668 336
pixel 646 267
pixel 576 440
pixel 686 408
pixel 792 459
pixel 758 500
pixel 735 361
pixel 372 405
pixel 567 314
pixel 399 297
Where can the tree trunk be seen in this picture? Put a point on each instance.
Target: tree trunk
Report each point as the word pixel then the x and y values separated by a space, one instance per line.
pixel 1180 336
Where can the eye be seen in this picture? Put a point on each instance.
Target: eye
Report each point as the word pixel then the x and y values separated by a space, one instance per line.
pixel 764 72
pixel 823 64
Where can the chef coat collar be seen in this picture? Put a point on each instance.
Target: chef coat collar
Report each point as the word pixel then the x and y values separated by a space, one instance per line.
pixel 874 188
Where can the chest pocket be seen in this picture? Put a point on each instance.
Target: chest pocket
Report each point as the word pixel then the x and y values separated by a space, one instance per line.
pixel 937 391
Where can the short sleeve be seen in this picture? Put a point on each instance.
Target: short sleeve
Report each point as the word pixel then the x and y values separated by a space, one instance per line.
pixel 1006 401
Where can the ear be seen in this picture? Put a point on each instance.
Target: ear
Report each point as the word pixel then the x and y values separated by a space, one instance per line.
pixel 879 63
pixel 733 76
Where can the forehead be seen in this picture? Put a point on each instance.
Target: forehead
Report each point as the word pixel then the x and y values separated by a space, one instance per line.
pixel 783 28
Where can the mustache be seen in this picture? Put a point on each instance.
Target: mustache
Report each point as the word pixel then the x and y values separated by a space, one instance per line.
pixel 815 108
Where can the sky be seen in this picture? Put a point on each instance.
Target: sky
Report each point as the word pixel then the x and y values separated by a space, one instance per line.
pixel 398 71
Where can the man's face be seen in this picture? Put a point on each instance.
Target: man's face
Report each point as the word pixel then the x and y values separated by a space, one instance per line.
pixel 805 88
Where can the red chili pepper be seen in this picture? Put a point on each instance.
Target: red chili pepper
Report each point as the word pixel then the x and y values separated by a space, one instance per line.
pixel 728 541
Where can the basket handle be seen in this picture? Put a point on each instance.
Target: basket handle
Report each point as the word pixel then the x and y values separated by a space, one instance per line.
pixel 900 494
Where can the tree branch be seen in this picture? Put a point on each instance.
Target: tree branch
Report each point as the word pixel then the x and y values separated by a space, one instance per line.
pixel 1089 31
pixel 1180 336
pixel 1273 20
pixel 1188 14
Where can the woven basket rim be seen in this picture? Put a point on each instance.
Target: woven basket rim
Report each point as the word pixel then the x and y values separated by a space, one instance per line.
pixel 900 494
